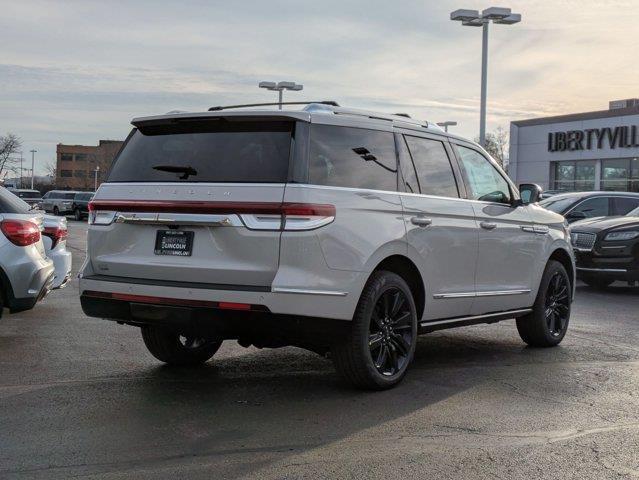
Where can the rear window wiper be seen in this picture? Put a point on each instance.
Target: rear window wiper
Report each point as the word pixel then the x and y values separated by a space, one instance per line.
pixel 186 171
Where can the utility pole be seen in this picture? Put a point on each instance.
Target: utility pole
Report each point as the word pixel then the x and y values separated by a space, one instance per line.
pixel 33 152
pixel 21 170
pixel 95 182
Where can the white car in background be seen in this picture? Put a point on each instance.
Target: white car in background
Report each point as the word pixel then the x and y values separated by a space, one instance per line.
pixel 54 236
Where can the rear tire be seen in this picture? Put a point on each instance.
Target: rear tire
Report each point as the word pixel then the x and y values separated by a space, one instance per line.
pixel 383 335
pixel 547 324
pixel 175 349
pixel 598 283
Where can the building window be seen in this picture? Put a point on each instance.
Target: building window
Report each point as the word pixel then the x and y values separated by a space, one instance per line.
pixel 66 157
pixel 80 174
pixel 620 174
pixel 574 176
pixel 81 157
pixel 66 173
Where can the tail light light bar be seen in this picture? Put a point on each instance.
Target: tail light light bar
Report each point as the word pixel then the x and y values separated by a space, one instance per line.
pixel 20 232
pixel 255 215
pixel 56 235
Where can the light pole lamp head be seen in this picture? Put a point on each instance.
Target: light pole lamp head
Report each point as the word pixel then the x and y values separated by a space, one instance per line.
pixel 268 85
pixel 495 13
pixel 464 15
pixel 509 20
pixel 289 86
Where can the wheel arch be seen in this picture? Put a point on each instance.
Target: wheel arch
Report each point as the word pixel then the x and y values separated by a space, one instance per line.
pixel 406 268
pixel 562 256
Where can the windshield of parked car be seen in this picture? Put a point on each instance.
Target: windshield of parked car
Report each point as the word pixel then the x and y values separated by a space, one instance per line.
pixel 558 205
pixel 10 203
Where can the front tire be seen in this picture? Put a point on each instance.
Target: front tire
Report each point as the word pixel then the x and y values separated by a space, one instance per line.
pixel 176 349
pixel 383 335
pixel 77 214
pixel 56 211
pixel 547 324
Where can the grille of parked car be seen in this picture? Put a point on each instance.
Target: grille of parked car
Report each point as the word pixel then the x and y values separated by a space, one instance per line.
pixel 583 241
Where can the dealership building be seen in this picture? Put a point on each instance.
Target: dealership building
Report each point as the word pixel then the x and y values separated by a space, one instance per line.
pixel 581 151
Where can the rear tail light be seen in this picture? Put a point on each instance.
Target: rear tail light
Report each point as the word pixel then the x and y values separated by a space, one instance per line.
pixel 99 216
pixel 56 234
pixel 20 232
pixel 255 215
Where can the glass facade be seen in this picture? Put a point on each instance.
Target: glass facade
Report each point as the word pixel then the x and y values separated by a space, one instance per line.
pixel 575 175
pixel 618 174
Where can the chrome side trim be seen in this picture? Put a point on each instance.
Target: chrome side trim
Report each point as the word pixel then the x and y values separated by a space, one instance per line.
pixel 477 317
pixel 494 293
pixel 610 270
pixel 302 291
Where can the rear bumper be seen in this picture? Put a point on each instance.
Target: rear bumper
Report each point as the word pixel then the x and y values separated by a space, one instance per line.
pixel 261 328
pixel 315 303
pixel 40 286
pixel 62 260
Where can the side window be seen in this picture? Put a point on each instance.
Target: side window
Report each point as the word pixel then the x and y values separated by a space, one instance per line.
pixel 622 205
pixel 483 180
pixel 409 177
pixel 352 157
pixel 594 207
pixel 433 167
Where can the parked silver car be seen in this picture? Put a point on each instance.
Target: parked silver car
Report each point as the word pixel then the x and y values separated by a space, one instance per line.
pixel 55 235
pixel 338 230
pixel 25 271
pixel 58 202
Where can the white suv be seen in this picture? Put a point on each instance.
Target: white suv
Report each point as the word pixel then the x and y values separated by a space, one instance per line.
pixel 338 230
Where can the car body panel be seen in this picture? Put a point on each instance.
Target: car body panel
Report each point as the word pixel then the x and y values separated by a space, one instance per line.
pixel 61 257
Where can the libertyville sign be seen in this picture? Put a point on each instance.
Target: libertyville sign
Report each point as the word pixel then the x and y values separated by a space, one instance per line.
pixel 612 137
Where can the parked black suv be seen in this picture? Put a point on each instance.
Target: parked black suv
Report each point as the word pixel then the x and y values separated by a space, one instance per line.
pixel 81 205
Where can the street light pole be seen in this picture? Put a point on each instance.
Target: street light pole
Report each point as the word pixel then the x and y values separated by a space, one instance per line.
pixel 21 170
pixel 484 84
pixel 472 18
pixel 33 152
pixel 446 124
pixel 280 87
pixel 95 183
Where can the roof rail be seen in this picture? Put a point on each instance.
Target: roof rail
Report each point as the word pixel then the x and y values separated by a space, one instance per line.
pixel 220 107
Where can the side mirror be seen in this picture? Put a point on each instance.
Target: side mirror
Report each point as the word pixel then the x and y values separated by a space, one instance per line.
pixel 530 193
pixel 575 215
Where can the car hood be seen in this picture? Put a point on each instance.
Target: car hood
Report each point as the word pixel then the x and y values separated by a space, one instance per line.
pixel 598 224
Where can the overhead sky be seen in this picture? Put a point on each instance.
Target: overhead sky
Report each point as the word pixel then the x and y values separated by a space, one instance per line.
pixel 76 72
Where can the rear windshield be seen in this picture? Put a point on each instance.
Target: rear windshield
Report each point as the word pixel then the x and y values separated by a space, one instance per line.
pixel 206 151
pixel 10 203
pixel 28 194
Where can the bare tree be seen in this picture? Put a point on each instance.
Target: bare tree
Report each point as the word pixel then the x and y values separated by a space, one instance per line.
pixel 497 145
pixel 10 146
pixel 51 169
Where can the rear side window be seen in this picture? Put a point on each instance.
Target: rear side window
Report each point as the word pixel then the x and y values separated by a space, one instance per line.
pixel 352 157
pixel 206 151
pixel 433 167
pixel 10 203
pixel 623 205
pixel 68 196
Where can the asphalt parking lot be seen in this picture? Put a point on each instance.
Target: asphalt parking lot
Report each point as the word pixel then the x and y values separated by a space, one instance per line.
pixel 81 397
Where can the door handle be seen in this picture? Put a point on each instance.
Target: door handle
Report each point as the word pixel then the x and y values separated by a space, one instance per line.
pixel 421 221
pixel 488 225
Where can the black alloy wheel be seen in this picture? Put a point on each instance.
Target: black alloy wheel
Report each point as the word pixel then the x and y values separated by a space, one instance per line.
pixel 557 304
pixel 547 323
pixel 390 333
pixel 381 344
